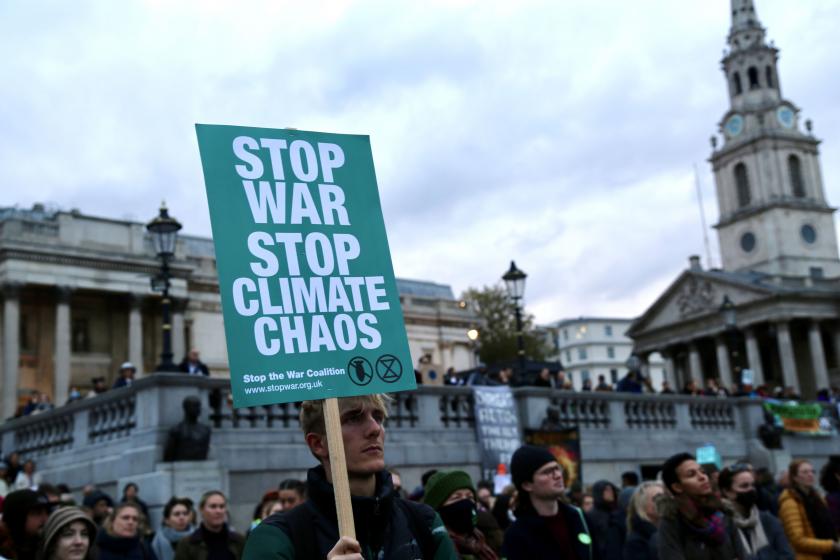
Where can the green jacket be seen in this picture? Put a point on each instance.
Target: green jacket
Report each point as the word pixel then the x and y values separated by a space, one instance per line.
pixel 387 527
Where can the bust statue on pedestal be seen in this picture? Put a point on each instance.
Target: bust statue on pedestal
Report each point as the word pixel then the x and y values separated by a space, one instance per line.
pixel 188 440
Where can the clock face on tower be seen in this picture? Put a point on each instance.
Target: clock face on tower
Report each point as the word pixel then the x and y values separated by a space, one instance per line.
pixel 734 125
pixel 784 115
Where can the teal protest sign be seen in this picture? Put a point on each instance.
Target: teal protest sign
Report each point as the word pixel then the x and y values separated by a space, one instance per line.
pixel 310 304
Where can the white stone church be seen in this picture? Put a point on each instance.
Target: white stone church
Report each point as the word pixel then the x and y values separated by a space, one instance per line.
pixel 777 242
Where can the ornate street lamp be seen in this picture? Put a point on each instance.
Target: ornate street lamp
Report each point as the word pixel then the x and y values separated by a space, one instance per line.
pixel 164 230
pixel 727 309
pixel 515 286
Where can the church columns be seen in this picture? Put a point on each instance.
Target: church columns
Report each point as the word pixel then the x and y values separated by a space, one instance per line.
pixel 817 355
pixel 786 355
pixel 61 360
pixel 135 333
pixel 695 369
pixel 754 357
pixel 724 366
pixel 11 348
pixel 670 371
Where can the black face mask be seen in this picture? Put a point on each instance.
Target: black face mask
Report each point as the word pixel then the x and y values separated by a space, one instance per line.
pixel 459 516
pixel 747 499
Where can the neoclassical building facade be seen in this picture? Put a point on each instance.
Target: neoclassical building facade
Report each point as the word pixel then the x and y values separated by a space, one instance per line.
pixel 77 302
pixel 778 244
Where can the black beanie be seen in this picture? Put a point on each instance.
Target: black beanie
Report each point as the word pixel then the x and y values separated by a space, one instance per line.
pixel 17 506
pixel 669 468
pixel 526 461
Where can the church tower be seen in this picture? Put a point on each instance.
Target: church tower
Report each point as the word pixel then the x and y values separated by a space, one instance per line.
pixel 774 217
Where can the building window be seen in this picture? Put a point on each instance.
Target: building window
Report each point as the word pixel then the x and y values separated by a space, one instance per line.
pixel 736 79
pixel 581 353
pixel 614 375
pixel 768 75
pixel 610 352
pixel 584 375
pixel 80 341
pixel 26 342
pixel 568 356
pixel 808 233
pixel 607 330
pixel 742 185
pixel 565 334
pixel 795 171
pixel 752 74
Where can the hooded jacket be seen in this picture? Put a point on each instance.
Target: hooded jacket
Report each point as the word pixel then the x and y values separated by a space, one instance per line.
pixel 677 541
pixel 384 528
pixel 609 525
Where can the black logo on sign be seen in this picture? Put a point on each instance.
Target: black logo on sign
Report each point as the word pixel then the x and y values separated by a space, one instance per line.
pixel 388 368
pixel 360 371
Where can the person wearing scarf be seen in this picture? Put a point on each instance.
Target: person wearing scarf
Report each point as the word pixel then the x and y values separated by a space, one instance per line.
pixel 806 518
pixel 693 524
pixel 452 495
pixel 760 532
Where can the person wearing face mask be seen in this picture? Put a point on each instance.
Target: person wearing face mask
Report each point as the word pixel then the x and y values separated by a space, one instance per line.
pixel 805 517
pixel 452 495
pixel 761 534
pixel 68 534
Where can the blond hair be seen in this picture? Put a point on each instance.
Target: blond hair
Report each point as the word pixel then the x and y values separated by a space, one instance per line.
pixel 312 412
pixel 639 501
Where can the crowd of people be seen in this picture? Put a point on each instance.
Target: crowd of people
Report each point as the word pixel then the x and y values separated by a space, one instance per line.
pixel 690 511
pixel 632 382
pixel 38 402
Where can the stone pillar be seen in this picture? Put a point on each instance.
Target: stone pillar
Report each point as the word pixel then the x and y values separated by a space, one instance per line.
pixel 670 371
pixel 61 359
pixel 11 348
pixel 754 357
pixel 179 345
pixel 135 333
pixel 817 355
pixel 695 369
pixel 786 356
pixel 724 365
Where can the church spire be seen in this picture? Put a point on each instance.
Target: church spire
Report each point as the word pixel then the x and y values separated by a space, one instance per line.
pixel 746 30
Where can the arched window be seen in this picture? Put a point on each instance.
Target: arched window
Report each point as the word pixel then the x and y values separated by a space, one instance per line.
pixel 736 79
pixel 796 182
pixel 752 74
pixel 768 74
pixel 742 185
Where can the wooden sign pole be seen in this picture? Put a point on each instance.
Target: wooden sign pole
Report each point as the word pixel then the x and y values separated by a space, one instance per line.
pixel 338 468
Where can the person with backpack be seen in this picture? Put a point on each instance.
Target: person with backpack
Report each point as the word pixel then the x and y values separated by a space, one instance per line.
pixel 386 525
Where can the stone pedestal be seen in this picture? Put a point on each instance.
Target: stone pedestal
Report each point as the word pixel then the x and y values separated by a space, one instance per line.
pixel 185 479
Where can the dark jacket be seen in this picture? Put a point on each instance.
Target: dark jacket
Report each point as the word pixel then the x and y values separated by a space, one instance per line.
pixel 529 538
pixel 608 527
pixel 677 541
pixel 184 366
pixel 109 547
pixel 194 547
pixel 642 542
pixel 385 528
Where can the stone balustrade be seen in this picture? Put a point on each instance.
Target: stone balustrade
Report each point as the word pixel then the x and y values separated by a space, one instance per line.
pixel 119 436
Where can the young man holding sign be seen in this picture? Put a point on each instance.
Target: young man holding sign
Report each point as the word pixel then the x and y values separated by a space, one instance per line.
pixel 386 525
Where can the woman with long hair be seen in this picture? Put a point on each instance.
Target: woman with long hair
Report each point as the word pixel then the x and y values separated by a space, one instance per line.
pixel 805 516
pixel 121 538
pixel 68 535
pixel 761 534
pixel 174 527
pixel 642 522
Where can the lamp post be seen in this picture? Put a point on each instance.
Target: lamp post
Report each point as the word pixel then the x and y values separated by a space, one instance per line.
pixel 164 230
pixel 515 286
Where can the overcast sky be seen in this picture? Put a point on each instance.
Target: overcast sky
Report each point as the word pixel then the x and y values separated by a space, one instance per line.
pixel 561 134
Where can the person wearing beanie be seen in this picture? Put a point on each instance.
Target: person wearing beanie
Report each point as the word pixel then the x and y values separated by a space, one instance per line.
pixel 24 514
pixel 452 495
pixel 693 523
pixel 545 527
pixel 68 535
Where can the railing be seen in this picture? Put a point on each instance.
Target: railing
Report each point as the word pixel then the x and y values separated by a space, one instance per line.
pixel 153 404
